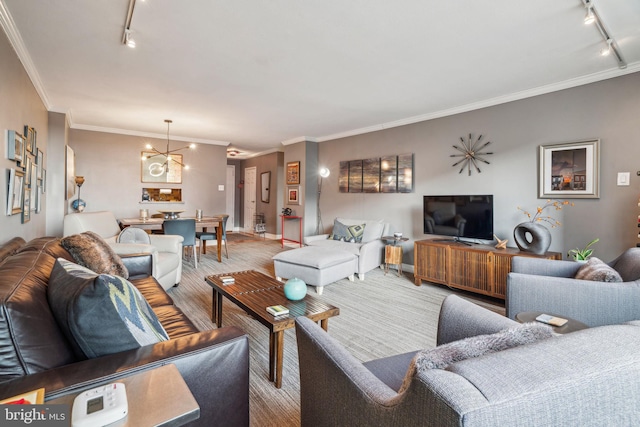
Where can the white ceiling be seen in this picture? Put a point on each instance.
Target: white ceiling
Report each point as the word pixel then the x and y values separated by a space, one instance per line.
pixel 256 74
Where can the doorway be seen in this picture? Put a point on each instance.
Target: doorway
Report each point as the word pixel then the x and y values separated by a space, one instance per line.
pixel 249 198
pixel 231 197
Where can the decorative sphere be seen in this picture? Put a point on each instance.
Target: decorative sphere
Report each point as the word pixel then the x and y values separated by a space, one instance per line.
pixel 78 205
pixel 295 289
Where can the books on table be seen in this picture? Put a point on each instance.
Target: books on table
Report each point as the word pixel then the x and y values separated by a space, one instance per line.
pixel 278 310
pixel 227 280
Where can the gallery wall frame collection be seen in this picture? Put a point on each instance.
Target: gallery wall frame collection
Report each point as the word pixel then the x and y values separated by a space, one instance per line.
pixel 27 181
pixel 388 174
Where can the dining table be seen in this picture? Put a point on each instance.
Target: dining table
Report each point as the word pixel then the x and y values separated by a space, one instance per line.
pixel 203 223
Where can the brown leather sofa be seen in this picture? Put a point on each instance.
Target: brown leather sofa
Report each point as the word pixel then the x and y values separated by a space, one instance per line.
pixel 34 352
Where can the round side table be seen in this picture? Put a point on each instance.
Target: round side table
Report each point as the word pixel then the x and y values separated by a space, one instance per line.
pixel 572 325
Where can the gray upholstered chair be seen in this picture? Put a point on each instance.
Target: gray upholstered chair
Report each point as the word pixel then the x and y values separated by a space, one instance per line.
pixel 187 229
pixel 548 286
pixel 207 235
pixel 577 379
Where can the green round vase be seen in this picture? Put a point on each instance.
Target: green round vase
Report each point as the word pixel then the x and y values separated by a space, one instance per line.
pixel 295 289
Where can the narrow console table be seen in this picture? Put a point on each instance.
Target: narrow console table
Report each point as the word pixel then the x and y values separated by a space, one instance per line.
pixel 283 239
pixel 481 269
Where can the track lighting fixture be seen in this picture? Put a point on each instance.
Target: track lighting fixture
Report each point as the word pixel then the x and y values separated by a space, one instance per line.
pixel 126 34
pixel 593 17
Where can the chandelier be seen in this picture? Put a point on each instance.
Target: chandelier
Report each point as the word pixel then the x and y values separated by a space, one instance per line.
pixel 159 169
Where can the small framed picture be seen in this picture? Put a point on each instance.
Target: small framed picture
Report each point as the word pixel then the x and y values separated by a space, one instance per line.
pixel 26 204
pixel 15 146
pixel 40 163
pixel 30 136
pixel 293 173
pixel 569 170
pixel 293 195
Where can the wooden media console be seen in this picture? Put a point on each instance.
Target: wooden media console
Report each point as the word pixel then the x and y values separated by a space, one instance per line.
pixel 481 269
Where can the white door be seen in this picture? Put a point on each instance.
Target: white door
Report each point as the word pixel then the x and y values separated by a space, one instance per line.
pixel 231 196
pixel 249 198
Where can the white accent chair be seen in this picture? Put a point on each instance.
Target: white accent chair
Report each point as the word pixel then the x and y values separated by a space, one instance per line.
pixel 370 251
pixel 165 250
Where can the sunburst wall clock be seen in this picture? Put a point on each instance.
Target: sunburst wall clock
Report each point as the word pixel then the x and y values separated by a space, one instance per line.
pixel 471 153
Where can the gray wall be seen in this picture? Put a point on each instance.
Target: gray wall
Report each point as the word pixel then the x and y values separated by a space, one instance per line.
pixel 608 110
pixel 20 105
pixel 110 164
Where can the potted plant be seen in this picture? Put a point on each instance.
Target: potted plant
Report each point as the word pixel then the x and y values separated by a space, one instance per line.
pixel 582 255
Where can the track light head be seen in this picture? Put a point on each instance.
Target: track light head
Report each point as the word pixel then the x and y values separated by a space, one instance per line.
pixel 607 50
pixel 128 40
pixel 589 18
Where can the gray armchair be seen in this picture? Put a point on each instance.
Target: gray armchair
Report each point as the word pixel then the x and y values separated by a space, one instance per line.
pixel 548 286
pixel 577 379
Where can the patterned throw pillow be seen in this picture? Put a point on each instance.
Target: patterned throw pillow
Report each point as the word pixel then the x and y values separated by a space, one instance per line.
pixel 344 233
pixel 100 314
pixel 90 250
pixel 597 270
pixel 444 355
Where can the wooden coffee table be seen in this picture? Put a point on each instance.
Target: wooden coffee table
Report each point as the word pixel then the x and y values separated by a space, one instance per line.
pixel 254 292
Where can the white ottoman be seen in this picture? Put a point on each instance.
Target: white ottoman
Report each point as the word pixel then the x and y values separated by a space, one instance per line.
pixel 317 266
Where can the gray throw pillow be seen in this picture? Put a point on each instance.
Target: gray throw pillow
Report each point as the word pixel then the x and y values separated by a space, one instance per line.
pixel 100 314
pixel 347 233
pixel 447 354
pixel 90 250
pixel 596 270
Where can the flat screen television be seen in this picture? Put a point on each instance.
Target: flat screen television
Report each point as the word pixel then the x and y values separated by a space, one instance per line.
pixel 464 218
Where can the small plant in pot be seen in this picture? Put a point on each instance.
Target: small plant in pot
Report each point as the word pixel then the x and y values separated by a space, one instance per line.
pixel 582 255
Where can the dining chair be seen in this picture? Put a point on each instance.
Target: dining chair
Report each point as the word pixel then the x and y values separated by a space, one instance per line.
pixel 187 229
pixel 207 235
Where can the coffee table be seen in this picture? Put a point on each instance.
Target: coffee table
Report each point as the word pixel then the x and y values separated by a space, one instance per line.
pixel 254 292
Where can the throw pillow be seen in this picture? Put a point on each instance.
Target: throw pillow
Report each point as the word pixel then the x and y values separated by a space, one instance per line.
pixel 344 233
pixel 100 314
pixel 90 250
pixel 444 355
pixel 133 235
pixel 596 270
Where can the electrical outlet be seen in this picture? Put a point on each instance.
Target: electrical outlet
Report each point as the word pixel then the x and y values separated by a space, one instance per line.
pixel 221 187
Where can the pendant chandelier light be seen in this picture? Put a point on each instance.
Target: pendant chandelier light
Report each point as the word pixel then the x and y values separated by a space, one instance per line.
pixel 167 157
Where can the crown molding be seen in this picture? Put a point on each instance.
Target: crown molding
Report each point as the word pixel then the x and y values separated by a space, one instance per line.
pixel 299 139
pixel 148 134
pixel 15 39
pixel 529 93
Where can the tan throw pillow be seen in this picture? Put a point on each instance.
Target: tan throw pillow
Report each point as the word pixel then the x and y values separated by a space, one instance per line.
pixel 596 270
pixel 91 251
pixel 444 355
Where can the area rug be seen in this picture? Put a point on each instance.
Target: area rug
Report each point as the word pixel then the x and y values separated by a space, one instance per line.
pixel 366 326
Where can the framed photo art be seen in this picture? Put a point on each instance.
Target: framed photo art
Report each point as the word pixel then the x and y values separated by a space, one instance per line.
pixel 569 170
pixel 293 195
pixel 293 173
pixel 15 147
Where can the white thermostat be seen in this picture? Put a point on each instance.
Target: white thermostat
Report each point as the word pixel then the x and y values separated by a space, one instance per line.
pixel 100 406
